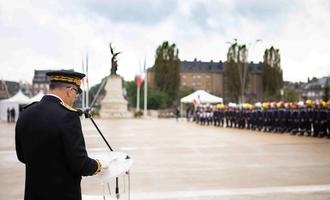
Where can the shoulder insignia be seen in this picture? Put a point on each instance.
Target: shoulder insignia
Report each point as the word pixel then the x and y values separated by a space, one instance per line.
pixel 66 106
pixel 25 107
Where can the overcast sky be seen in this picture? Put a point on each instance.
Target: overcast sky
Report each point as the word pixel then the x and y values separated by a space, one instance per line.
pixel 53 34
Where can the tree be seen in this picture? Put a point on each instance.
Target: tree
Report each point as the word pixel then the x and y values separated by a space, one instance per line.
pixel 290 94
pixel 167 75
pixel 158 100
pixel 236 72
pixel 272 75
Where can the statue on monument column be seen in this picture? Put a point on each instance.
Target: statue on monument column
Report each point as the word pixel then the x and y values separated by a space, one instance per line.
pixel 114 64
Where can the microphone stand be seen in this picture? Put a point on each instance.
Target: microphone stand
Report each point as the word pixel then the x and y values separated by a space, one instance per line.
pixel 88 115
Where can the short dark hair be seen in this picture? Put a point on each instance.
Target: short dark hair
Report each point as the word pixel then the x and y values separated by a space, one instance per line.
pixel 59 85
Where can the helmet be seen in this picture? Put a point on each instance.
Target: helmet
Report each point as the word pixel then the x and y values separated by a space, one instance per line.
pixel 323 104
pixel 300 104
pixel 259 105
pixel 265 104
pixel 279 104
pixel 273 104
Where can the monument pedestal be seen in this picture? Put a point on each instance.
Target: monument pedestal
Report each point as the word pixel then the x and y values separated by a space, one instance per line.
pixel 114 105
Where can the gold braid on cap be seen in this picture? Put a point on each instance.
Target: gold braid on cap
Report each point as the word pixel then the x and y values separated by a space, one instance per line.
pixel 66 79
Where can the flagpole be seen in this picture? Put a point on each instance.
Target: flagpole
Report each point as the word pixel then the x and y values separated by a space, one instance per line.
pixel 145 88
pixel 87 82
pixel 138 98
pixel 83 94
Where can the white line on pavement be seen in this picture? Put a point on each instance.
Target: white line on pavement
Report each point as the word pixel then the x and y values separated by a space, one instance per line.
pixel 224 192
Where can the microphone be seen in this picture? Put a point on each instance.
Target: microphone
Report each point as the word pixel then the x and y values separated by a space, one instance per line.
pixel 85 111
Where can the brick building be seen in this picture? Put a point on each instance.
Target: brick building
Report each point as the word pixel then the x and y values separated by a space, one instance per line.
pixel 210 76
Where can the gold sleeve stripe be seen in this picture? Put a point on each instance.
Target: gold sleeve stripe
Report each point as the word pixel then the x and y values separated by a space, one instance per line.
pixel 66 79
pixel 99 167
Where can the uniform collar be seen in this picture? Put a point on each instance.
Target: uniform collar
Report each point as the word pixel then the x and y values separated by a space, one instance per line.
pixel 52 97
pixel 56 97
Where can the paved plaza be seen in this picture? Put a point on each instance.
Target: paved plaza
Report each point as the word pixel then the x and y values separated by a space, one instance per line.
pixel 183 160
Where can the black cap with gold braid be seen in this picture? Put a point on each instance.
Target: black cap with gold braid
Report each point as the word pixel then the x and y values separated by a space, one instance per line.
pixel 66 76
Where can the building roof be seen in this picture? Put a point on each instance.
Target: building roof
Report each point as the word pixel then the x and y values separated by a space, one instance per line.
pixel 208 67
pixel 317 83
pixel 200 66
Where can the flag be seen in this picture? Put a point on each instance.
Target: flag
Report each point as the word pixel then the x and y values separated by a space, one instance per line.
pixel 138 81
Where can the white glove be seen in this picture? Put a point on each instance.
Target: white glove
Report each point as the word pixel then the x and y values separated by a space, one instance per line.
pixel 113 165
pixel 105 167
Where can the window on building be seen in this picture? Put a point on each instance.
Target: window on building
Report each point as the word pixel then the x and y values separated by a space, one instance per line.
pixel 196 83
pixel 196 76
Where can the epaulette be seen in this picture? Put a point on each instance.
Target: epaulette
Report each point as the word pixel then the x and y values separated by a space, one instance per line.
pixel 25 107
pixel 66 106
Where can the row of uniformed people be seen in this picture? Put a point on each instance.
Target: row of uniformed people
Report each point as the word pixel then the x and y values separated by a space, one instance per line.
pixel 312 121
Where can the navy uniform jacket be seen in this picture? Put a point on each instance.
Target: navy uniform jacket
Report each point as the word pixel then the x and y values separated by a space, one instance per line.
pixel 49 141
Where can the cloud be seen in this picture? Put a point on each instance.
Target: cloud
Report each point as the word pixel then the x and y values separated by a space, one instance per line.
pixel 265 10
pixel 143 12
pixel 55 34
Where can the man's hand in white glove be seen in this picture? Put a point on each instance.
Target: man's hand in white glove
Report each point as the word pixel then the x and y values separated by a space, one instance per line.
pixel 105 167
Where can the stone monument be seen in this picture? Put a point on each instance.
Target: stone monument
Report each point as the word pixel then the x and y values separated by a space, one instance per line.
pixel 113 104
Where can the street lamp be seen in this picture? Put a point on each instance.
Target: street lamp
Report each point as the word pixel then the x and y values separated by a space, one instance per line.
pixel 242 65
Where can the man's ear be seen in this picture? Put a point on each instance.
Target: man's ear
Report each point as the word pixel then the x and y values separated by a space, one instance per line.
pixel 67 92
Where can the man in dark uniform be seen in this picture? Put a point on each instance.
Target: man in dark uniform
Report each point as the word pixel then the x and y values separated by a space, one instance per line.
pixel 316 119
pixel 323 119
pixel 309 117
pixel 276 117
pixel 302 119
pixel 216 116
pixel 259 118
pixel 50 142
pixel 266 117
pixel 328 119
pixel 281 116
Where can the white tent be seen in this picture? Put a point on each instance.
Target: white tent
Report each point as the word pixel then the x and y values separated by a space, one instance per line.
pixel 199 96
pixel 38 96
pixel 19 99
pixel 202 97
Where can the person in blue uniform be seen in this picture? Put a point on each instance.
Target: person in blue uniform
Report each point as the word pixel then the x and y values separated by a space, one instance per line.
pixel 259 119
pixel 323 119
pixel 316 119
pixel 328 119
pixel 303 117
pixel 309 117
pixel 50 142
pixel 276 118
pixel 282 118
